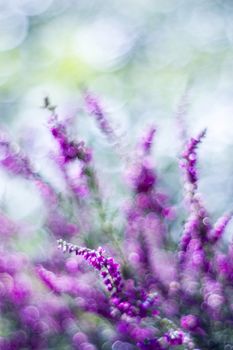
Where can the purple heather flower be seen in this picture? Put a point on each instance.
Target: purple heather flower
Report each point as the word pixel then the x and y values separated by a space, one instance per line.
pixel 189 322
pixel 109 269
pixel 143 177
pixel 213 296
pixel 224 266
pixel 147 141
pixel 174 337
pixel 94 108
pixel 70 150
pixel 47 192
pixel 58 224
pixel 219 228
pixel 49 279
pixel 190 159
pixel 198 225
pixel 190 227
pixel 13 161
pixel 131 301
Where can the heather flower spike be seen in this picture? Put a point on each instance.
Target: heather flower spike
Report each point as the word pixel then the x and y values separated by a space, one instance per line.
pixel 190 159
pixel 70 150
pixel 219 228
pixel 16 163
pixel 13 161
pixel 125 301
pixel 94 107
pixel 109 269
pixel 147 141
pixel 48 278
pixel 198 217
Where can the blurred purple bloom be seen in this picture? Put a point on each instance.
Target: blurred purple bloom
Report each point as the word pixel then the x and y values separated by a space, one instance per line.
pixel 49 279
pixel 147 140
pixel 143 178
pixel 219 228
pixel 189 322
pixel 174 338
pixel 69 149
pixel 190 159
pixel 94 107
pixel 14 161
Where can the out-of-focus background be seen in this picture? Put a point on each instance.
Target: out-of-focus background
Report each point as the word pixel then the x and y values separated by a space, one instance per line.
pixel 140 57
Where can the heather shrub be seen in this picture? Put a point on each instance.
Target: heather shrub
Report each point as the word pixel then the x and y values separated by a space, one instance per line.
pixel 124 282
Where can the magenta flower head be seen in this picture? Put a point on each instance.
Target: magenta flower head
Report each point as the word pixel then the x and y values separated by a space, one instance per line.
pixel 147 140
pixel 48 278
pixel 109 269
pixel 95 108
pixel 14 161
pixel 143 177
pixel 174 337
pixel 189 322
pixel 219 228
pixel 69 149
pixel 190 159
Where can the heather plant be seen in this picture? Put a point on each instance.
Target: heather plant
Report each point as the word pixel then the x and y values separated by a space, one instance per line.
pixel 119 286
